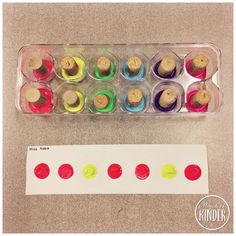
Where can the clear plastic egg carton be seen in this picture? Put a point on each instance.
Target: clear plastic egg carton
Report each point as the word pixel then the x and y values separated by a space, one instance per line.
pixel 137 79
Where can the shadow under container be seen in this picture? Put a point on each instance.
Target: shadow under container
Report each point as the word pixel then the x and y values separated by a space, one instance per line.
pixel 143 71
pixel 93 70
pixel 43 106
pixel 159 89
pixel 142 106
pixel 205 73
pixel 76 102
pixel 78 59
pixel 29 69
pixel 156 61
pixel 216 97
pixel 108 94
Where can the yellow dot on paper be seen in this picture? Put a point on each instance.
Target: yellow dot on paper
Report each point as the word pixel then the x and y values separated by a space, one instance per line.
pixel 89 171
pixel 169 171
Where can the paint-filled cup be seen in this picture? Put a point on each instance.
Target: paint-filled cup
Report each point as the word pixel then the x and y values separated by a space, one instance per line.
pixel 37 66
pixel 168 97
pixel 70 66
pixel 101 97
pixel 134 97
pixel 166 65
pixel 134 66
pixel 203 96
pixel 70 98
pixel 36 98
pixel 200 64
pixel 103 66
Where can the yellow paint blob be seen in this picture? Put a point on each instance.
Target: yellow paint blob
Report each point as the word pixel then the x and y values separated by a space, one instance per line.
pixel 89 171
pixel 169 171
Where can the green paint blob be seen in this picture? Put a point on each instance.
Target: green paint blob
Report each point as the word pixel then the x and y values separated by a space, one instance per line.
pixel 169 171
pixel 112 101
pixel 105 77
pixel 89 171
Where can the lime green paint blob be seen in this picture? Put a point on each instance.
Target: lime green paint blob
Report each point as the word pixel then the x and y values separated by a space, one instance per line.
pixel 112 101
pixel 169 171
pixel 78 108
pixel 89 171
pixel 105 77
pixel 80 73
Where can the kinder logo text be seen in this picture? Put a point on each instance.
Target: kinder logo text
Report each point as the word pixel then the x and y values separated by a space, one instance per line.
pixel 212 212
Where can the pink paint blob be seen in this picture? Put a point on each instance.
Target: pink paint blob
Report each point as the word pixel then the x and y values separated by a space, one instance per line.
pixel 114 171
pixel 191 107
pixel 142 171
pixel 198 75
pixel 193 172
pixel 41 171
pixel 49 65
pixel 65 171
pixel 47 106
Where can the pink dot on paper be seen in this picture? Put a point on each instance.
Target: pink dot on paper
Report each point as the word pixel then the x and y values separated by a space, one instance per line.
pixel 65 171
pixel 142 171
pixel 114 171
pixel 41 171
pixel 192 172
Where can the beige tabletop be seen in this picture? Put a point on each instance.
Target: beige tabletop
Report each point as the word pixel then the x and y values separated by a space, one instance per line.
pixel 113 23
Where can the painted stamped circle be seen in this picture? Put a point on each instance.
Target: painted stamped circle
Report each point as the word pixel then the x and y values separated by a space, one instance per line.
pixel 169 171
pixel 65 171
pixel 114 171
pixel 142 171
pixel 41 171
pixel 192 172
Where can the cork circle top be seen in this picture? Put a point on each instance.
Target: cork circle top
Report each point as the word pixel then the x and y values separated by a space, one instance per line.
pixel 104 68
pixel 101 101
pixel 134 96
pixel 70 97
pixel 32 95
pixel 76 65
pixel 134 64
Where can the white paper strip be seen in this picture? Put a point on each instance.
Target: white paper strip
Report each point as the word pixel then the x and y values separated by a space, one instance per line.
pixel 128 157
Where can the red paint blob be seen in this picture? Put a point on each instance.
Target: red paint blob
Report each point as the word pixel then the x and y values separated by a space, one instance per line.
pixel 65 171
pixel 114 171
pixel 142 171
pixel 41 171
pixel 47 106
pixel 192 172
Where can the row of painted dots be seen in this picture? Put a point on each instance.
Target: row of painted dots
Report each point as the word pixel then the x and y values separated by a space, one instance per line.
pixel 114 171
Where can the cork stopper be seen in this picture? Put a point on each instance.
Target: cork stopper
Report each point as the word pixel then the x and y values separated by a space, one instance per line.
pixel 199 62
pixel 104 65
pixel 134 64
pixel 167 98
pixel 69 65
pixel 201 98
pixel 135 96
pixel 33 95
pixel 36 63
pixel 101 101
pixel 166 66
pixel 70 98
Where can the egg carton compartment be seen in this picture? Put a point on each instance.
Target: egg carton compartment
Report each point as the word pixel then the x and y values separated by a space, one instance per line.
pixel 137 79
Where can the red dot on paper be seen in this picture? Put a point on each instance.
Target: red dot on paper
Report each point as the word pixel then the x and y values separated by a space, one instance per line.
pixel 41 171
pixel 65 171
pixel 142 171
pixel 114 171
pixel 192 172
